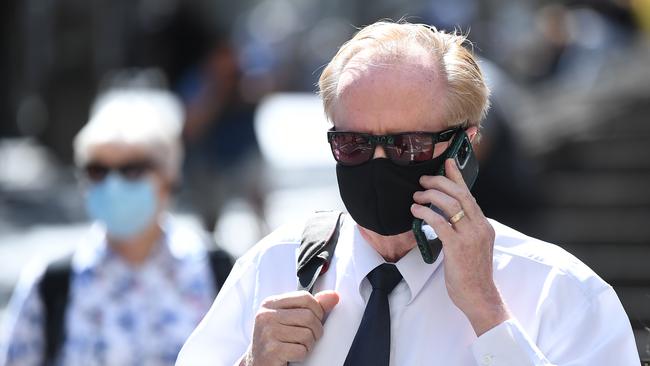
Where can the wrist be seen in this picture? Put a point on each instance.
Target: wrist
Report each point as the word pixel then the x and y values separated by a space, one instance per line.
pixel 486 314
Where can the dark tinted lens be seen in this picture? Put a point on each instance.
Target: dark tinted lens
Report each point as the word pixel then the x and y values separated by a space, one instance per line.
pixel 135 170
pixel 351 148
pixel 410 148
pixel 96 172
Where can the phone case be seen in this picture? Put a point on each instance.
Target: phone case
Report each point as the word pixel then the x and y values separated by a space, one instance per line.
pixel 460 150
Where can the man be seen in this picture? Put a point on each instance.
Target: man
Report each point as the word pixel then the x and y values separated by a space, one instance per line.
pixel 493 296
pixel 139 282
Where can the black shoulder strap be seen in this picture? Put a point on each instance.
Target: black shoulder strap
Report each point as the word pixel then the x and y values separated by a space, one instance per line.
pixel 220 263
pixel 319 239
pixel 53 289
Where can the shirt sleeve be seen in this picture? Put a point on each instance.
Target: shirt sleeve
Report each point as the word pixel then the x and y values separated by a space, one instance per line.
pixel 599 333
pixel 22 342
pixel 507 344
pixel 222 337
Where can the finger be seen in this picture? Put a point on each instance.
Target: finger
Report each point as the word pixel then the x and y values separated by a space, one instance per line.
pixel 327 300
pixel 444 230
pixel 456 191
pixel 293 352
pixel 296 335
pixel 295 300
pixel 452 172
pixel 446 203
pixel 301 318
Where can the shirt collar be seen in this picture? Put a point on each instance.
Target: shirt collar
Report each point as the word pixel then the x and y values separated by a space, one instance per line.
pixel 363 258
pixel 415 271
pixel 91 250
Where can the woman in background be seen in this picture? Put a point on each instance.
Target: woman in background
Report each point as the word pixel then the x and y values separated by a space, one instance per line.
pixel 139 282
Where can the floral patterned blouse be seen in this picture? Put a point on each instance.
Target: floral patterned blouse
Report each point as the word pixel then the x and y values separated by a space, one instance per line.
pixel 117 314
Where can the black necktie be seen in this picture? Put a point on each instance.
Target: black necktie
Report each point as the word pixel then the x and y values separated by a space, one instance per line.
pixel 371 345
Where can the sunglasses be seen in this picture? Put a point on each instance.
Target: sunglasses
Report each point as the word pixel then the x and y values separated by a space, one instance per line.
pixel 355 148
pixel 97 172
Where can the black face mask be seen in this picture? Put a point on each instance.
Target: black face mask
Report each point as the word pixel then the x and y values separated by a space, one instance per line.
pixel 378 194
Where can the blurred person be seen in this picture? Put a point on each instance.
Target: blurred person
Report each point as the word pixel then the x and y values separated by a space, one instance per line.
pixel 223 159
pixel 494 296
pixel 574 42
pixel 507 187
pixel 140 281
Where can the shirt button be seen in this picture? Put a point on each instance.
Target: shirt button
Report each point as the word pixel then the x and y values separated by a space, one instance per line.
pixel 487 360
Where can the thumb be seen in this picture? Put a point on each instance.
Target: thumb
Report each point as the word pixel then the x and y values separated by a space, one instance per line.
pixel 327 300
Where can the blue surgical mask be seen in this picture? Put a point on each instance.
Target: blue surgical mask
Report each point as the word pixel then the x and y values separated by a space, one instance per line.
pixel 125 207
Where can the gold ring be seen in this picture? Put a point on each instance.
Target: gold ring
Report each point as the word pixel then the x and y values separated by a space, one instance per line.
pixel 457 217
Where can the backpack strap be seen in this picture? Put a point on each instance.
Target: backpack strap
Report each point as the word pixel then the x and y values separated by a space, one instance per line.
pixel 53 289
pixel 220 263
pixel 317 246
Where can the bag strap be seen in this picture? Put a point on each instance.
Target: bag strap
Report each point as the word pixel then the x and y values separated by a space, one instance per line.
pixel 53 289
pixel 220 263
pixel 319 239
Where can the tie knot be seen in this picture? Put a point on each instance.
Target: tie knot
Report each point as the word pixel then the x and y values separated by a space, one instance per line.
pixel 385 277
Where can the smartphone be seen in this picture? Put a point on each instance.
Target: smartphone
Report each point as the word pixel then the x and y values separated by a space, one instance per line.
pixel 461 151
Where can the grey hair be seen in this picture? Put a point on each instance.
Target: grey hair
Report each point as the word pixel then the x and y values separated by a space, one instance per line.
pixel 148 118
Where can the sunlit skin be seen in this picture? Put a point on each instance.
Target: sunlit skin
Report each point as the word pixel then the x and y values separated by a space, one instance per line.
pixel 414 102
pixel 133 250
pixel 385 98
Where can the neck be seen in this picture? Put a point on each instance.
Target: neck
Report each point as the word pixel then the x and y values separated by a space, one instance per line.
pixel 137 249
pixel 392 248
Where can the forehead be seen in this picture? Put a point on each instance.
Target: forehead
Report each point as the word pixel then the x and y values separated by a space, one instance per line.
pixel 118 153
pixel 387 95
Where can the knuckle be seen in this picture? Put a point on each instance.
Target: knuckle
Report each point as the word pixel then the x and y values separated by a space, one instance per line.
pixel 304 316
pixel 309 344
pixel 270 347
pixel 306 335
pixel 435 217
pixel 264 316
pixel 318 330
pixel 268 302
pixel 466 195
pixel 266 332
pixel 435 194
pixel 307 299
pixel 304 295
pixel 300 353
pixel 422 197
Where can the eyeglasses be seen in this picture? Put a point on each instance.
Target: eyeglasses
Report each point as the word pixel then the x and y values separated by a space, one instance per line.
pixel 97 172
pixel 354 148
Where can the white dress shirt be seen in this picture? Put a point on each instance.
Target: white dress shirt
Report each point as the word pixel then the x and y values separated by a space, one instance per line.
pixel 117 314
pixel 563 313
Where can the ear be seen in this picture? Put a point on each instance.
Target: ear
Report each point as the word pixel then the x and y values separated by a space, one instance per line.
pixel 472 132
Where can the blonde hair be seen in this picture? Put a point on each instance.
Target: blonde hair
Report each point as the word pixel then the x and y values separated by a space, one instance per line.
pixel 467 95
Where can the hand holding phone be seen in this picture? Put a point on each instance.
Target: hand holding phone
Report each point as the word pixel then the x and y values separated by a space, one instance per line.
pixel 461 151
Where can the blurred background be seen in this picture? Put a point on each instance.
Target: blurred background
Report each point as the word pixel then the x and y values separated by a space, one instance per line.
pixel 565 153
